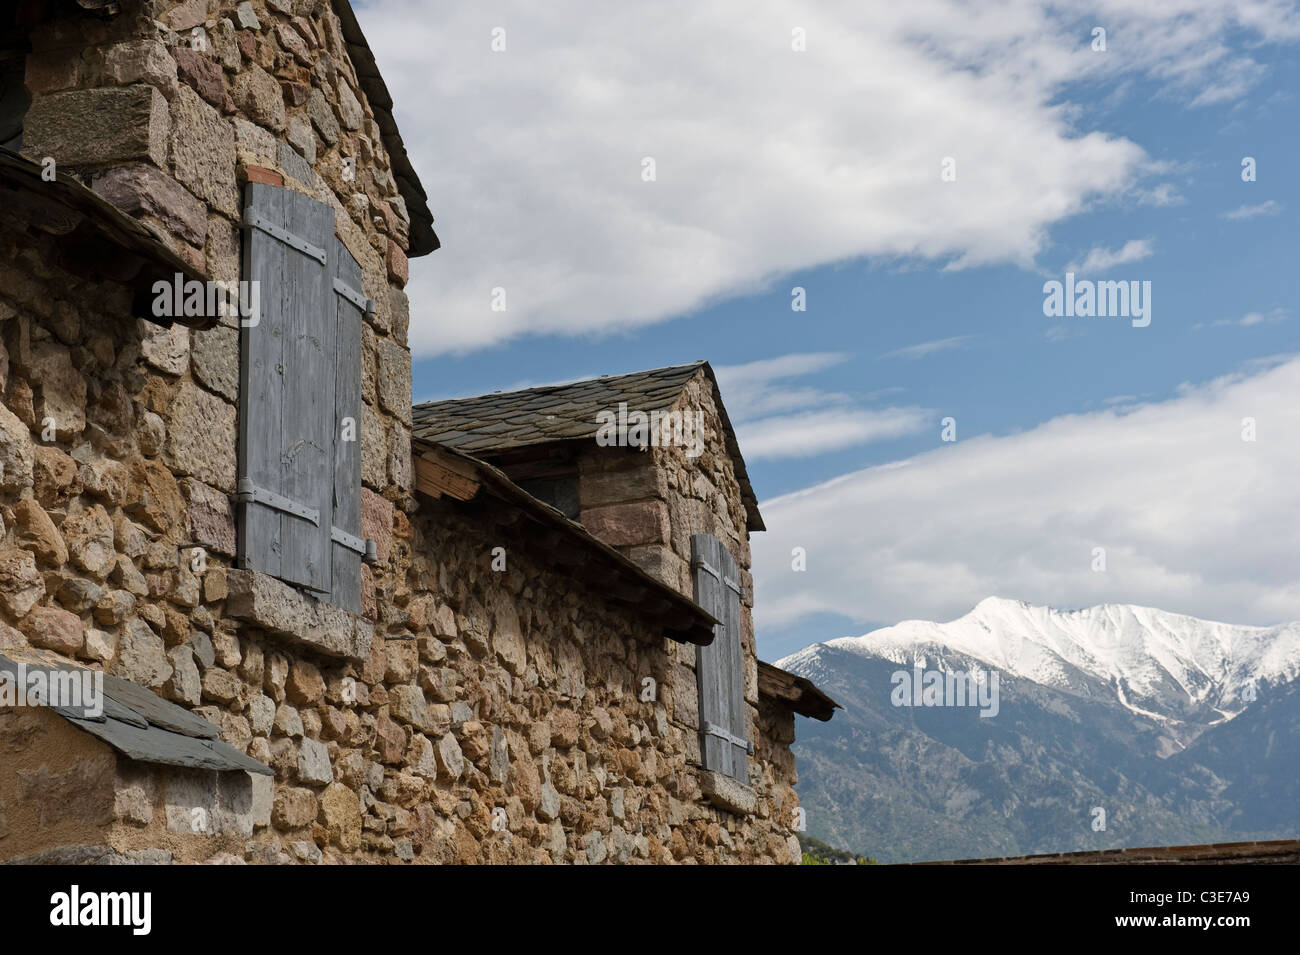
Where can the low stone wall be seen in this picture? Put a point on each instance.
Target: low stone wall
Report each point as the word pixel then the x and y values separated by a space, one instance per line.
pixel 66 797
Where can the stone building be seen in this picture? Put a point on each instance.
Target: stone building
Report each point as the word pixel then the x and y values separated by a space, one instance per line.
pixel 328 626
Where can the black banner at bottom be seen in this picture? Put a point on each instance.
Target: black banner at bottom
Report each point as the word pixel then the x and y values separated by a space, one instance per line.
pixel 138 905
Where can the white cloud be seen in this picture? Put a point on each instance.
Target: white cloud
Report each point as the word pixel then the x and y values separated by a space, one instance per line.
pixel 775 418
pixel 926 349
pixel 750 390
pixel 1269 207
pixel 758 389
pixel 1100 259
pixel 1193 518
pixel 768 160
pixel 814 432
pixel 1162 194
pixel 1063 333
pixel 1234 83
pixel 1249 320
pixel 1271 317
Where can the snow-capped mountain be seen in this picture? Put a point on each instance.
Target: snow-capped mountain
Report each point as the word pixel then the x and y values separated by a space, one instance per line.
pixel 1184 672
pixel 1179 730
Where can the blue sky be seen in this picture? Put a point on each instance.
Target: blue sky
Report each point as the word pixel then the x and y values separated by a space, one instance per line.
pixel 921 303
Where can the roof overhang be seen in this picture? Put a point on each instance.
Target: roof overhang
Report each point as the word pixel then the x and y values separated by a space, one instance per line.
pixel 423 239
pixel 132 719
pixel 95 239
pixel 493 425
pixel 796 692
pixel 443 472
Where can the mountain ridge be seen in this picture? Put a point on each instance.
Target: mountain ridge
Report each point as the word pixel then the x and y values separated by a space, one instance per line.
pixel 1183 671
pixel 1140 713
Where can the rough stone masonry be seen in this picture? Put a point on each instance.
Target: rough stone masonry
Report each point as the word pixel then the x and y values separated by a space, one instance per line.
pixel 467 714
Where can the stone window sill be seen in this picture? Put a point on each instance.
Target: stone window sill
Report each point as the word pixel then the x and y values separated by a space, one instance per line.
pixel 297 617
pixel 727 793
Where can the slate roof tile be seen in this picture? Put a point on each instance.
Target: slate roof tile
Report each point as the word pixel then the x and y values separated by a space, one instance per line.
pixel 502 421
pixel 137 722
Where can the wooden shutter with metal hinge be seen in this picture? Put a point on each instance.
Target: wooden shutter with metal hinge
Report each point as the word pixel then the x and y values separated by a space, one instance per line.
pixel 350 309
pixel 287 409
pixel 720 666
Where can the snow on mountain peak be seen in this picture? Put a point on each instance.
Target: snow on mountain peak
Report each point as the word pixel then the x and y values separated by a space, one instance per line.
pixel 1175 667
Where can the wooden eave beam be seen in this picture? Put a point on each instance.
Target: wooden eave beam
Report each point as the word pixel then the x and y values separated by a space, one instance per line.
pixel 437 473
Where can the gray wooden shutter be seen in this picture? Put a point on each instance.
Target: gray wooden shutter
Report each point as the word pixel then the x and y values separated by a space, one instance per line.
pixel 350 311
pixel 287 401
pixel 720 667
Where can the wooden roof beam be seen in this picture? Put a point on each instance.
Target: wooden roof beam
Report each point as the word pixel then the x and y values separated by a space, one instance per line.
pixel 438 473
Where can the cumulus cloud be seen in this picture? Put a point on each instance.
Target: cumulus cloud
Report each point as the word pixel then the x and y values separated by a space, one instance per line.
pixel 1192 517
pixel 767 160
pixel 1100 259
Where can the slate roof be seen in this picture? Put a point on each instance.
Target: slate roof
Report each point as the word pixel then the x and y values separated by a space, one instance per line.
pixel 423 239
pixel 109 243
pixel 502 421
pixel 138 723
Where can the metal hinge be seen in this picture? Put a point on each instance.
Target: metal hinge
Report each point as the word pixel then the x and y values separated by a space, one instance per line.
pixel 366 305
pixel 701 564
pixel 712 730
pixel 708 568
pixel 249 492
pixel 253 221
pixel 366 548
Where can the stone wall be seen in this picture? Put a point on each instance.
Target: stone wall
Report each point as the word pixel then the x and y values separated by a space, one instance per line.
pixel 544 689
pixel 467 715
pixel 168 108
pixel 163 107
pixel 649 504
pixel 508 722
pixel 474 690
